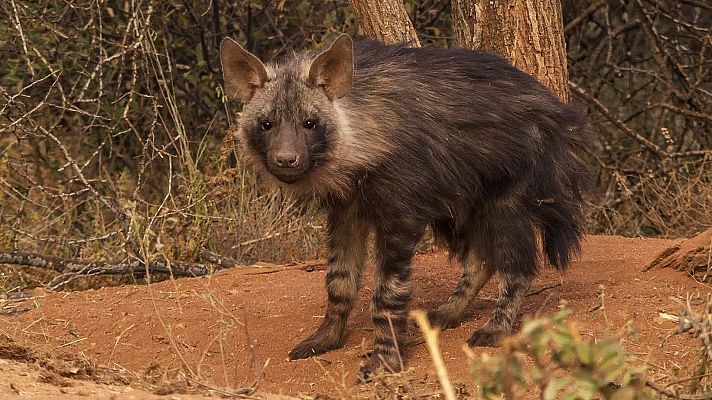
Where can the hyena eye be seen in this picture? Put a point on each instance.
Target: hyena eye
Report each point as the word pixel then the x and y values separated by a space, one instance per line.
pixel 309 124
pixel 266 125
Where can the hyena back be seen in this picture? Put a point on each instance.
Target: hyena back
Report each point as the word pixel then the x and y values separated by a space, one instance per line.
pixel 390 139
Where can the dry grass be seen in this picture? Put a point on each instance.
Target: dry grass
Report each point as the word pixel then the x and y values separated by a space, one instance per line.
pixel 111 151
pixel 674 203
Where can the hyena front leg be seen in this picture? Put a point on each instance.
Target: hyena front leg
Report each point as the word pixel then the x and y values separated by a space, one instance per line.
pixel 512 290
pixel 475 275
pixel 347 252
pixel 391 297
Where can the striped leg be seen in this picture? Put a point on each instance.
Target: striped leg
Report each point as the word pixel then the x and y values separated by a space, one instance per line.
pixel 347 252
pixel 391 297
pixel 512 291
pixel 475 275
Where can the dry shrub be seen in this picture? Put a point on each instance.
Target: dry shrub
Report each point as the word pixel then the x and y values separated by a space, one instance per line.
pixel 674 203
pixel 640 70
pixel 111 121
pixel 112 116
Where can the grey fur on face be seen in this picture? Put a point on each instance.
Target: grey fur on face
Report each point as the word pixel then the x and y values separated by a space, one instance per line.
pixel 390 139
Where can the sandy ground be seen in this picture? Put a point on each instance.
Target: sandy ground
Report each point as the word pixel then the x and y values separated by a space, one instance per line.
pixel 222 330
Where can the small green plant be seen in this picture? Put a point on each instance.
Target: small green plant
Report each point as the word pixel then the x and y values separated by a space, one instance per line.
pixel 550 353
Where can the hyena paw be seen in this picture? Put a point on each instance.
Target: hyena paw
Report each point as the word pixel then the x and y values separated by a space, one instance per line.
pixel 487 337
pixel 379 362
pixel 313 346
pixel 443 319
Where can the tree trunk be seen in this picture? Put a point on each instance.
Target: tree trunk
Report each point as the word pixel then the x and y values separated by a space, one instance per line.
pixel 529 33
pixel 385 20
pixel 693 256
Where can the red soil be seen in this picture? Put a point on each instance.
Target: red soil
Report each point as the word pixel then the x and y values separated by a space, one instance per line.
pixel 196 322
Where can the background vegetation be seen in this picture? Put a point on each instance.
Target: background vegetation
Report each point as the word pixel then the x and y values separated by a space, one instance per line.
pixel 113 123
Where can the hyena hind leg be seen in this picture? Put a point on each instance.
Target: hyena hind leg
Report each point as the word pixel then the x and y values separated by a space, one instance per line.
pixel 475 275
pixel 512 290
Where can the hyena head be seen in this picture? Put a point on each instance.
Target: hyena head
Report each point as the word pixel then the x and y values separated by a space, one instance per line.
pixel 289 124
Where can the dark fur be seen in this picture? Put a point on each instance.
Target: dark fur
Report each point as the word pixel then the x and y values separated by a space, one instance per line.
pixel 454 138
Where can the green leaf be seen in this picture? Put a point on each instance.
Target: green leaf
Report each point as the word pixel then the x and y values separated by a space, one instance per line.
pixel 555 386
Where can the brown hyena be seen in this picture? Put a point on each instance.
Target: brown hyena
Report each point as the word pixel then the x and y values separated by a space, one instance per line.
pixel 390 139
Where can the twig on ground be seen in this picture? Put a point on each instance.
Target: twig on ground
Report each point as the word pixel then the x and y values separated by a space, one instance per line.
pixel 308 266
pixel 7 309
pixel 674 395
pixel 217 259
pixel 58 264
pixel 543 289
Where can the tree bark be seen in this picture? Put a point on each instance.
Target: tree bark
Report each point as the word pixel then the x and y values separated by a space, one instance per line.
pixel 385 20
pixel 529 33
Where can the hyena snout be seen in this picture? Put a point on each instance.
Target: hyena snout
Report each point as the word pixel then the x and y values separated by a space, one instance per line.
pixel 286 159
pixel 287 163
pixel 287 155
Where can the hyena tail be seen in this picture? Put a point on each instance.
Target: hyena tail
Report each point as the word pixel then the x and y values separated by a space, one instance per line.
pixel 560 208
pixel 562 231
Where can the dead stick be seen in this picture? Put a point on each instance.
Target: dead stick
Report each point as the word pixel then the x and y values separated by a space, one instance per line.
pixel 545 288
pixel 217 259
pixel 177 268
pixel 675 395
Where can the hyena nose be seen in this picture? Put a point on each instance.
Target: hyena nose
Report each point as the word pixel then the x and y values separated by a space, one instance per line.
pixel 286 160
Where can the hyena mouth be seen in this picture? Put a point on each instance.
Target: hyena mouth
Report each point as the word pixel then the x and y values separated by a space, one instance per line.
pixel 289 175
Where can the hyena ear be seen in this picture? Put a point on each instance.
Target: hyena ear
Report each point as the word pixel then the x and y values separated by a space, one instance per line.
pixel 333 70
pixel 242 71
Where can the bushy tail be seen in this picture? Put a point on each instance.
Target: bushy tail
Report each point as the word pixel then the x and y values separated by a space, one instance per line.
pixel 562 232
pixel 562 220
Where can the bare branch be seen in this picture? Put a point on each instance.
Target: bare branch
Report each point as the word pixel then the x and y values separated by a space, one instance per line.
pixel 650 146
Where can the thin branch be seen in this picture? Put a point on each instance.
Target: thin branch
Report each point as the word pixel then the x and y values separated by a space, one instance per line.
pixel 698 3
pixel 431 339
pixel 543 289
pixel 687 112
pixel 674 395
pixel 650 146
pixel 584 14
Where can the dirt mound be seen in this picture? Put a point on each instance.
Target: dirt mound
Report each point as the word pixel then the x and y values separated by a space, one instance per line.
pixel 30 372
pixel 693 256
pixel 235 328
